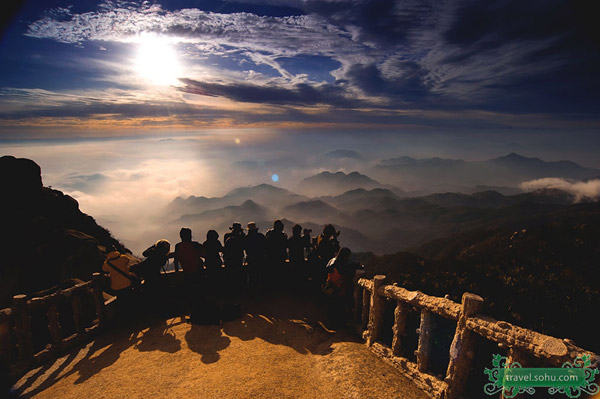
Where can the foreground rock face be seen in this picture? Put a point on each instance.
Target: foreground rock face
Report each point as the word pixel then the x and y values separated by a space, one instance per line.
pixel 45 238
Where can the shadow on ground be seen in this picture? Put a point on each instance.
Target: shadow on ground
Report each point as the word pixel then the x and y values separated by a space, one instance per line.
pixel 295 320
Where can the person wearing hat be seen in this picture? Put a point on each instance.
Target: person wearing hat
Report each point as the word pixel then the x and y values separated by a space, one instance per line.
pixel 256 248
pixel 234 248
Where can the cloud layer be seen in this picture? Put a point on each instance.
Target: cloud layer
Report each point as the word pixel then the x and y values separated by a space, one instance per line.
pixel 589 190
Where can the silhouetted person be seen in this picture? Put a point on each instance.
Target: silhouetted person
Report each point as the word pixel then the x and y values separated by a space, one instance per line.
pixel 276 249
pixel 307 241
pixel 234 253
pixel 234 246
pixel 188 255
pixel 297 244
pixel 326 248
pixel 339 287
pixel 156 257
pixel 256 250
pixel 212 254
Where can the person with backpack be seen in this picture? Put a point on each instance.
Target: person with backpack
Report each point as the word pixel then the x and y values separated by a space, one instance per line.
pixel 339 287
pixel 122 280
pixel 327 246
pixel 123 283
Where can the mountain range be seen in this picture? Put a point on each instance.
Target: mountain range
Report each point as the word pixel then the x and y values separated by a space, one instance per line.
pixel 381 220
pixel 438 174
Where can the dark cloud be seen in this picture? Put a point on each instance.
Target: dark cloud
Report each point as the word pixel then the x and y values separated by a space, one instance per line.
pixel 380 23
pixel 299 94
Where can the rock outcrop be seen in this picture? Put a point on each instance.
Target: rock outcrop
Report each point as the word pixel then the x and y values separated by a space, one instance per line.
pixel 45 239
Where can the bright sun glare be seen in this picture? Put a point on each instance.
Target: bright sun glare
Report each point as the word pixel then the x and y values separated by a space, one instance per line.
pixel 157 61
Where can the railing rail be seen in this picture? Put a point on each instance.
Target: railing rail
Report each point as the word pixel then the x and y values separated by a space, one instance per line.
pixel 16 335
pixel 370 296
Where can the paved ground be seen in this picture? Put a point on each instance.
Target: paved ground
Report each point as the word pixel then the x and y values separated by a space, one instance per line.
pixel 278 349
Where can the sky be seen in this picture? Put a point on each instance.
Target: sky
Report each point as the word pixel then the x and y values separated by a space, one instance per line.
pixel 133 67
pixel 155 99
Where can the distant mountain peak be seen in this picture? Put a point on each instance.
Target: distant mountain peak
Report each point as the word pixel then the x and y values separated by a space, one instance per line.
pixel 250 204
pixel 513 156
pixel 333 183
pixel 264 187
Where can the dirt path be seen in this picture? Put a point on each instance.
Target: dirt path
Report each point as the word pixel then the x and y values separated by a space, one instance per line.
pixel 278 349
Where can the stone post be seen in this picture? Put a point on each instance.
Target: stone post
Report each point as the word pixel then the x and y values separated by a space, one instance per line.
pixel 366 303
pixel 97 283
pixel 424 348
pixel 376 310
pixel 516 355
pixel 77 312
pixel 357 310
pixel 23 327
pixel 53 320
pixel 462 348
pixel 400 314
pixel 4 343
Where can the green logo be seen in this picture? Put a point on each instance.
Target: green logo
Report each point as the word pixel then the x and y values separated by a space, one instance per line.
pixel 512 379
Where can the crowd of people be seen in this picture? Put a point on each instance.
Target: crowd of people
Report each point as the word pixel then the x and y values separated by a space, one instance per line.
pixel 248 260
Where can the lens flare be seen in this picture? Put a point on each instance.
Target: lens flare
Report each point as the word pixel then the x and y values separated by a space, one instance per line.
pixel 275 177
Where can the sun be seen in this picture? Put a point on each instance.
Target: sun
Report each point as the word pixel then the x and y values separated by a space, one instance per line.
pixel 157 61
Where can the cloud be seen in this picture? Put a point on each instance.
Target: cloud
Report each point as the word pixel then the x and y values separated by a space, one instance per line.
pixel 84 183
pixel 379 58
pixel 300 94
pixel 580 190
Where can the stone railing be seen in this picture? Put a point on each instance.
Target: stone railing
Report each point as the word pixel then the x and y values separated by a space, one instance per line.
pixel 17 337
pixel 370 297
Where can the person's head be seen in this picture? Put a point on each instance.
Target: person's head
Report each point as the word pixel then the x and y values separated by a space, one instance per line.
pixel 236 227
pixel 185 234
pixel 212 235
pixel 343 254
pixel 329 230
pixel 278 225
pixel 306 232
pixel 252 228
pixel 163 245
pixel 297 230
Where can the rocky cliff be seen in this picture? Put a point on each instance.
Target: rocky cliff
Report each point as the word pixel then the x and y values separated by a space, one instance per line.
pixel 44 239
